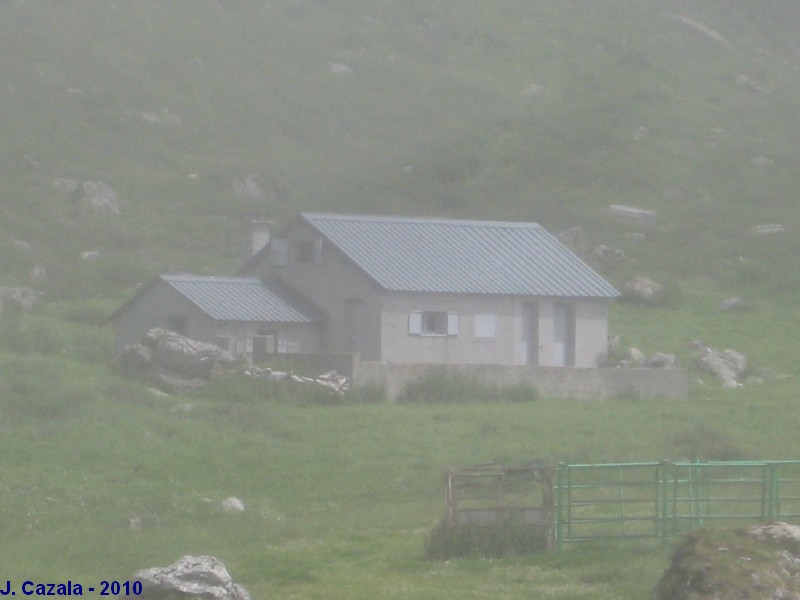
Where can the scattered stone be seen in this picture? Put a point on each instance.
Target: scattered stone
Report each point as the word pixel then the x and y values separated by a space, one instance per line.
pixel 99 196
pixel 533 89
pixel 191 577
pixel 747 83
pixel 38 272
pixel 232 504
pixel 733 303
pixel 761 161
pixel 25 298
pixel 635 356
pixel 247 187
pixel 728 365
pixel 162 116
pixel 68 186
pixel 768 229
pixel 607 253
pixel 659 360
pixel 702 30
pixel 339 69
pixel 90 255
pixel 642 288
pixel 647 217
pixel 22 246
pixel 173 362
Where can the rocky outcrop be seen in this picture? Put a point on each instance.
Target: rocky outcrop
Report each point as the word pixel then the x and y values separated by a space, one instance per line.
pixel 172 361
pixel 728 365
pixel 97 195
pixel 190 577
pixel 762 561
pixel 22 297
pixel 642 289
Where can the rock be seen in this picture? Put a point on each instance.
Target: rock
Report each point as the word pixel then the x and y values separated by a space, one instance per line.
pixel 762 561
pixel 659 360
pixel 98 196
pixel 533 89
pixel 768 229
pixel 38 272
pixel 179 354
pixel 733 303
pixel 173 362
pixel 702 30
pixel 647 217
pixel 23 297
pixel 339 69
pixel 232 504
pixel 68 186
pixel 642 288
pixel 635 356
pixel 90 255
pixel 728 365
pixel 248 187
pixel 607 253
pixel 22 246
pixel 190 577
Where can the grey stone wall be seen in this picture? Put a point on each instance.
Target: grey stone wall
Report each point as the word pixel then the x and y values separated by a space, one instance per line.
pixel 555 382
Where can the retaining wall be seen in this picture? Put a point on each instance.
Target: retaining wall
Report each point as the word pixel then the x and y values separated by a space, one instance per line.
pixel 556 382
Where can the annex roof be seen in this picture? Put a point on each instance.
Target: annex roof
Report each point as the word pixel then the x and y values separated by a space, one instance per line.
pixel 459 256
pixel 247 299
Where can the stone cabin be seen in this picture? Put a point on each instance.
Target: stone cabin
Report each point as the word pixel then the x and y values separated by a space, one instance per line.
pixel 394 290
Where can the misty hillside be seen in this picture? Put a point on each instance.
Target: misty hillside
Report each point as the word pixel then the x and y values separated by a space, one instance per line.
pixel 197 113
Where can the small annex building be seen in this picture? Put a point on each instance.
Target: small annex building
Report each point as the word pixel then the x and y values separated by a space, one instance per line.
pixel 396 290
pixel 246 316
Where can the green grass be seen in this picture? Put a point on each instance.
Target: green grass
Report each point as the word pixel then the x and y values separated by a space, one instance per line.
pixel 340 499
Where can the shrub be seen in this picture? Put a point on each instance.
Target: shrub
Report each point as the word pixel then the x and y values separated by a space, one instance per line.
pixel 446 386
pixel 451 540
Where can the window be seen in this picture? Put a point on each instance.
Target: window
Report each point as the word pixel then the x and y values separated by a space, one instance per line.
pixel 308 250
pixel 485 327
pixel 430 322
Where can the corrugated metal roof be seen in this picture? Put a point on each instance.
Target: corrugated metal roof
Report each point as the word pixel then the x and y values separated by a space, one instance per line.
pixel 455 256
pixel 242 299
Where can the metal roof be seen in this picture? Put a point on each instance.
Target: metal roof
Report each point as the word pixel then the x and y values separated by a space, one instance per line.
pixel 457 256
pixel 243 299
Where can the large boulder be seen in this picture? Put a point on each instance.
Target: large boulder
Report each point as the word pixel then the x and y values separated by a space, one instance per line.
pixel 728 365
pixel 173 362
pixel 182 355
pixel 22 297
pixel 97 195
pixel 190 577
pixel 762 561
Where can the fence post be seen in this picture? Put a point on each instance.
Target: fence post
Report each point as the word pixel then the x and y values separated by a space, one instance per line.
pixel 559 506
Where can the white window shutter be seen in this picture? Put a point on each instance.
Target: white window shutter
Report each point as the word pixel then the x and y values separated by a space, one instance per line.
pixel 415 322
pixel 452 323
pixel 317 252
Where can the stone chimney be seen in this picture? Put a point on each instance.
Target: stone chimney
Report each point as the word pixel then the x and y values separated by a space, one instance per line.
pixel 257 232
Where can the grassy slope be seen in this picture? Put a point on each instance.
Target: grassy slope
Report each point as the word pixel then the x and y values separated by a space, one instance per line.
pixel 634 109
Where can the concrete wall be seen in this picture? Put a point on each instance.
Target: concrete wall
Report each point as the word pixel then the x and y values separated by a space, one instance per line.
pixel 507 347
pixel 156 305
pixel 555 382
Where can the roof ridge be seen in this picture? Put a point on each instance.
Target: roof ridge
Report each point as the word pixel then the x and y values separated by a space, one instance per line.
pixel 310 216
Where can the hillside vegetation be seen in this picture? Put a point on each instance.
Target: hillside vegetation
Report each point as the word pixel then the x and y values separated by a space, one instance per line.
pixel 200 113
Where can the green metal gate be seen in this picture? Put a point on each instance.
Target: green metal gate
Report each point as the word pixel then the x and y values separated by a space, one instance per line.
pixel 662 499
